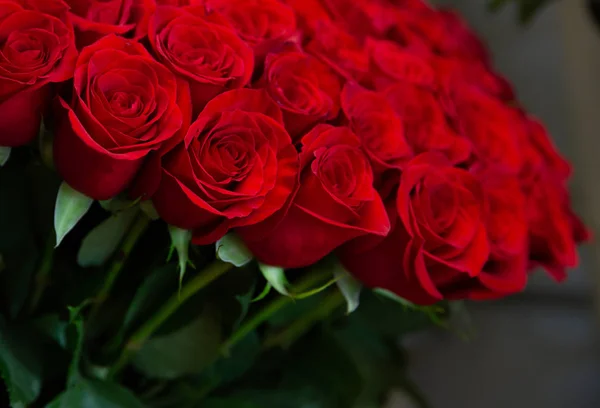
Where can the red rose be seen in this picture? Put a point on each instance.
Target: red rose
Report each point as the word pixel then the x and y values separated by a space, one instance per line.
pixel 425 123
pixel 448 35
pixel 340 50
pixel 362 17
pixel 93 19
pixel 125 105
pixel 390 64
pixel 307 91
pixel 495 129
pixel 438 236
pixel 309 15
pixel 179 3
pixel 264 24
pixel 456 75
pixel 236 167
pixel 505 271
pixel 540 155
pixel 201 49
pixel 554 230
pixel 380 129
pixel 333 202
pixel 37 49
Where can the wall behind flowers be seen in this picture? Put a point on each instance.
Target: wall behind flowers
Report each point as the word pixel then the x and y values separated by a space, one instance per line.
pixel 540 349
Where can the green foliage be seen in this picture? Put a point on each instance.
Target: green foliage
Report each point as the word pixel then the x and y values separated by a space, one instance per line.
pixel 96 394
pixel 154 291
pixel 18 246
pixel 186 351
pixel 20 366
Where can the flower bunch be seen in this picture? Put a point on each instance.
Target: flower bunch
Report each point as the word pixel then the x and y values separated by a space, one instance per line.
pixel 375 130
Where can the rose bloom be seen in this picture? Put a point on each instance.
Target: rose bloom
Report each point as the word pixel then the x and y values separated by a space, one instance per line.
pixel 264 24
pixel 426 126
pixel 235 167
pixel 333 202
pixel 307 90
pixel 179 3
pixel 93 19
pixel 363 18
pixel 554 229
pixel 496 130
pixel 337 48
pixel 438 237
pixel 380 129
pixel 37 49
pixel 124 105
pixel 310 14
pixel 390 63
pixel 505 271
pixel 201 49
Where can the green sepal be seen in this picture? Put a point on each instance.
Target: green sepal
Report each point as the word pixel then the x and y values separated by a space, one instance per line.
pixel 4 155
pixel 70 207
pixel 180 242
pixel 230 248
pixel 101 242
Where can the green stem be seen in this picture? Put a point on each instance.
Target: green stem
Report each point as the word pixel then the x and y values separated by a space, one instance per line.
pixel 137 230
pixel 299 327
pixel 309 281
pixel 137 340
pixel 42 276
pixel 314 278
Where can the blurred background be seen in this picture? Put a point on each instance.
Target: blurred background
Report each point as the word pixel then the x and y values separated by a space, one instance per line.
pixel 539 349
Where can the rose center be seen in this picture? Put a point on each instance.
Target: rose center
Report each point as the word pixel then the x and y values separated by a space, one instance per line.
pixel 125 104
pixel 200 51
pixel 443 205
pixel 226 158
pixel 24 49
pixel 345 173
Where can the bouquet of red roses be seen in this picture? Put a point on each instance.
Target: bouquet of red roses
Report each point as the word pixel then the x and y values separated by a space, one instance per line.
pixel 314 145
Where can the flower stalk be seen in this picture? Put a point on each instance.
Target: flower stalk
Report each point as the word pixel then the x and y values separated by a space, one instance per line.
pixel 137 230
pixel 42 275
pixel 316 277
pixel 139 338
